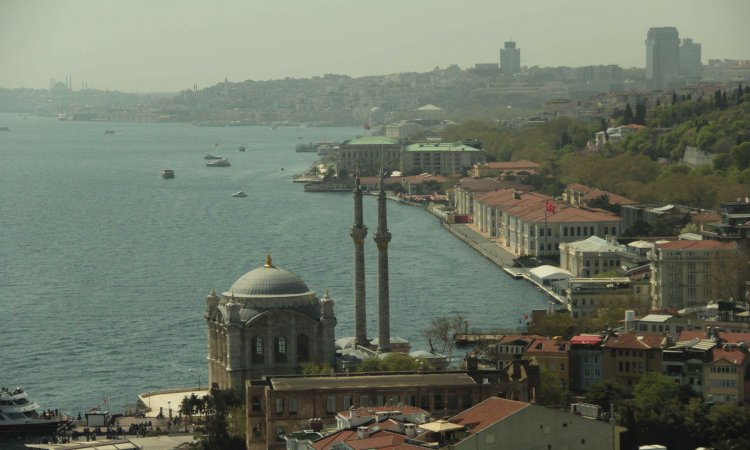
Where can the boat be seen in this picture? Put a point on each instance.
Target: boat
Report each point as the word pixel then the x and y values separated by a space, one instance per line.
pixel 109 131
pixel 167 173
pixel 239 194
pixel 306 148
pixel 210 156
pixel 241 148
pixel 18 414
pixel 223 162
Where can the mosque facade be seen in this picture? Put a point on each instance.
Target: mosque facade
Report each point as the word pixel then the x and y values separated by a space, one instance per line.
pixel 268 322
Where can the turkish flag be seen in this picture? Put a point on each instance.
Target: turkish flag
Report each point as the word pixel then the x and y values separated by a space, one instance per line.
pixel 551 207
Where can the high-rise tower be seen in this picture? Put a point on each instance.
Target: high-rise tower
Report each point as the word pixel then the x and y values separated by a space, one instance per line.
pixel 690 60
pixel 510 59
pixel 662 57
pixel 358 234
pixel 382 237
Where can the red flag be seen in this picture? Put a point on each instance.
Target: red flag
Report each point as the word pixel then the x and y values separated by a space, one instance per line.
pixel 551 207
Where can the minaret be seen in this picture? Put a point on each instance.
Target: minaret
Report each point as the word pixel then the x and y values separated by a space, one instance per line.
pixel 358 234
pixel 382 238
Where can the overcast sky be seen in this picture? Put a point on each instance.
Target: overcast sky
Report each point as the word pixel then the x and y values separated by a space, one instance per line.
pixel 169 45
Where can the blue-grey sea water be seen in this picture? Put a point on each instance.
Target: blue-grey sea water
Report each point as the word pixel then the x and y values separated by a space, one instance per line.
pixel 104 265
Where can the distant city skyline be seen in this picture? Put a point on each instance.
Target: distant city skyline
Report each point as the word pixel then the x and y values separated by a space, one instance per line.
pixel 172 45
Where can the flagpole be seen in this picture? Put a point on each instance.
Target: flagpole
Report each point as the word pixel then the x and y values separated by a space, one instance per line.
pixel 546 208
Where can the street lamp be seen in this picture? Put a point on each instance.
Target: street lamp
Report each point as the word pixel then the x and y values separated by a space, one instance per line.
pixel 169 403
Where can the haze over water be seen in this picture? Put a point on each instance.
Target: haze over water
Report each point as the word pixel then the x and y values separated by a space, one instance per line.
pixel 104 266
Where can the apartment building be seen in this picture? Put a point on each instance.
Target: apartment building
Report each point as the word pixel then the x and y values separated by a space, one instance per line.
pixel 685 273
pixel 441 158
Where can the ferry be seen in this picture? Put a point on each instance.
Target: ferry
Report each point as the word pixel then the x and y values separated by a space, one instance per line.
pixel 306 148
pixel 18 414
pixel 222 162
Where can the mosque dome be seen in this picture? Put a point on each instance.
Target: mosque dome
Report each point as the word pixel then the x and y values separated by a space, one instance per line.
pixel 268 280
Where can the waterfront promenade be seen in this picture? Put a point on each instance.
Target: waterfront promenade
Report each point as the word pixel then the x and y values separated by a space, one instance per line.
pixel 486 246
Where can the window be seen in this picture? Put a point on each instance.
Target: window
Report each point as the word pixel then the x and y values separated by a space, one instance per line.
pixel 380 400
pixel 280 346
pixel 439 402
pixel 257 350
pixel 292 406
pixel 453 401
pixel 364 400
pixel 331 404
pixel 347 401
pixel 424 402
pixel 279 406
pixel 256 403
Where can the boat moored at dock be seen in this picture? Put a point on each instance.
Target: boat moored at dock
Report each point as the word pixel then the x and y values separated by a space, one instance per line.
pixel 18 414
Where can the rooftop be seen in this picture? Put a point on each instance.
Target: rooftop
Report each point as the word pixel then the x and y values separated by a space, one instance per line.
pixel 488 412
pixel 365 381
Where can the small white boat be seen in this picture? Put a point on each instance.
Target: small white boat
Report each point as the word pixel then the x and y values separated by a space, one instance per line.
pixel 239 194
pixel 223 162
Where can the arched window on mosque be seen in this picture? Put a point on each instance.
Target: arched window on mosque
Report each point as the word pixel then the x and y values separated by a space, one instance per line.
pixel 280 346
pixel 257 350
pixel 303 348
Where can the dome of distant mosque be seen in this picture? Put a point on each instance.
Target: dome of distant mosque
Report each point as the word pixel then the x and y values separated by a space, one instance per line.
pixel 268 280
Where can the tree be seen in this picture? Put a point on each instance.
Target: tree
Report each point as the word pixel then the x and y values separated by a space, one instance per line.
pixel 314 368
pixel 219 403
pixel 627 117
pixel 441 331
pixel 608 393
pixel 640 114
pixel 551 393
pixel 728 426
pixel 557 324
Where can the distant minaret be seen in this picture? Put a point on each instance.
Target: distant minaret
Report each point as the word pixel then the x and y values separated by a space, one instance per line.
pixel 358 233
pixel 382 238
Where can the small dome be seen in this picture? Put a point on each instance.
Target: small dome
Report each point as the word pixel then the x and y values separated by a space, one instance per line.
pixel 268 280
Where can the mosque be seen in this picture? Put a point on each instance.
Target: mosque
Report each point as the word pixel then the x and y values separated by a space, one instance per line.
pixel 270 323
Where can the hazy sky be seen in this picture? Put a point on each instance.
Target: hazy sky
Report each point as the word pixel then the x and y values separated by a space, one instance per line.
pixel 168 45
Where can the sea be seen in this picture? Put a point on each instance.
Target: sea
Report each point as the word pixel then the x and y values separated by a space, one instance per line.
pixel 105 266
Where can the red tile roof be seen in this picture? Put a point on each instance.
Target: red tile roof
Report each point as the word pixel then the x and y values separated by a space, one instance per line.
pixel 695 245
pixel 590 193
pixel 733 356
pixel 635 341
pixel 585 340
pixel 548 346
pixel 488 412
pixel 731 338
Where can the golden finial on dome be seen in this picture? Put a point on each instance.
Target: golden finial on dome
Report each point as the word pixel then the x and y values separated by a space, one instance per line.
pixel 268 263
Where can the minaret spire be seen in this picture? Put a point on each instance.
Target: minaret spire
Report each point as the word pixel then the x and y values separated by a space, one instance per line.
pixel 382 237
pixel 358 234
